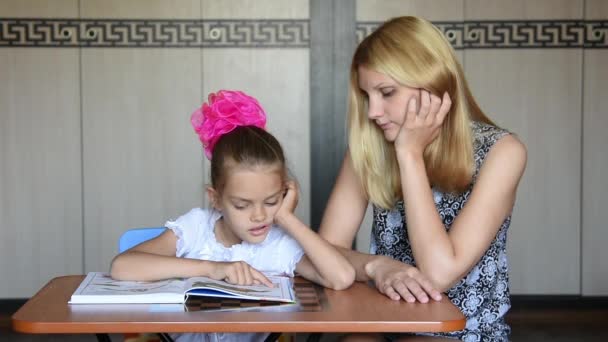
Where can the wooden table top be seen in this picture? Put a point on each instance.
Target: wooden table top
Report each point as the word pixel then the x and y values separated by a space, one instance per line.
pixel 358 309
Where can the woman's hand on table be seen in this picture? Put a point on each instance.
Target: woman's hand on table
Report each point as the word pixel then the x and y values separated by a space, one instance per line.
pixel 398 280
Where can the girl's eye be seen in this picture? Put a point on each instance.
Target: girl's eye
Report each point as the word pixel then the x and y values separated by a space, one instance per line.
pixel 240 206
pixel 270 204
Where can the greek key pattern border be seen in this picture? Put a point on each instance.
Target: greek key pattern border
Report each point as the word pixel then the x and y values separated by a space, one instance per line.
pixel 288 33
pixel 154 33
pixel 516 34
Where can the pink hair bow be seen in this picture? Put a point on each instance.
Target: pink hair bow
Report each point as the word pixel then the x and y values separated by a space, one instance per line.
pixel 225 111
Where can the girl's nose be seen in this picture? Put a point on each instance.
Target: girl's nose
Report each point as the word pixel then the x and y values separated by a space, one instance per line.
pixel 259 214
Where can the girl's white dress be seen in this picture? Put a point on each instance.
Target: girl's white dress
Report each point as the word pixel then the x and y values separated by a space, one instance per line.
pixel 278 254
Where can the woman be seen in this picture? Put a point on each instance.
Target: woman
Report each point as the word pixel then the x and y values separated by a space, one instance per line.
pixel 440 175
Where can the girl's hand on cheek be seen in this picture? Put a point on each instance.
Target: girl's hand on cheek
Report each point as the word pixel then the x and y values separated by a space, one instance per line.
pixel 421 126
pixel 290 201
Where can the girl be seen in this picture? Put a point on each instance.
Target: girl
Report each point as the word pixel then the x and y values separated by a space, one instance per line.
pixel 250 228
pixel 440 175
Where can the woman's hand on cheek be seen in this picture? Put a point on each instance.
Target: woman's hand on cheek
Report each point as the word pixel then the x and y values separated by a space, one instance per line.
pixel 421 125
pixel 290 201
pixel 398 280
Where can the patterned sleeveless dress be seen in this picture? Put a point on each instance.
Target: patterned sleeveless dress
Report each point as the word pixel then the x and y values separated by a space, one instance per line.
pixel 483 294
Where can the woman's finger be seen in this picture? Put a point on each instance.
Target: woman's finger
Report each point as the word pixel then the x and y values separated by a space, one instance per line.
pixel 444 109
pixel 416 290
pixel 429 288
pixel 388 290
pixel 425 104
pixel 403 291
pixel 435 105
pixel 410 112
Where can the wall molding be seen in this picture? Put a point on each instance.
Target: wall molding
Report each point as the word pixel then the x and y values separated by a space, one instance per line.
pixel 154 33
pixel 284 33
pixel 516 34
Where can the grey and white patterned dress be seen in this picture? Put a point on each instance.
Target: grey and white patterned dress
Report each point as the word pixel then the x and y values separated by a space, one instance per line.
pixel 483 294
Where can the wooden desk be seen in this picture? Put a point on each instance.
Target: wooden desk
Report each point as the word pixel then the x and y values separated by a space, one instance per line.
pixel 359 309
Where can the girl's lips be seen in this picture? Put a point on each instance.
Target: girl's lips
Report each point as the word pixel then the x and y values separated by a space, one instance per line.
pixel 257 231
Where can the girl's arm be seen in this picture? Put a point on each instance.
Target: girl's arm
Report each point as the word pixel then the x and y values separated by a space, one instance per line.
pixel 341 221
pixel 321 263
pixel 155 260
pixel 445 257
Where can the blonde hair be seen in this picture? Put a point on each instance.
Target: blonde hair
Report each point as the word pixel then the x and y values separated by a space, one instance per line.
pixel 414 53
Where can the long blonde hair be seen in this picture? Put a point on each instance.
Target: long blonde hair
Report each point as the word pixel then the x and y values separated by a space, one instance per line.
pixel 414 53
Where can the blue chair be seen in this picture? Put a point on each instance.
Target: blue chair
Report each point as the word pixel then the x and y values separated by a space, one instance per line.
pixel 131 238
pixel 134 237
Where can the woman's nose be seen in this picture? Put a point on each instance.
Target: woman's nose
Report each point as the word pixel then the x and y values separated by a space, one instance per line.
pixel 374 111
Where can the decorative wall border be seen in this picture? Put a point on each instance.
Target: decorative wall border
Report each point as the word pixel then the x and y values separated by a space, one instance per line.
pixel 517 34
pixel 154 33
pixel 289 33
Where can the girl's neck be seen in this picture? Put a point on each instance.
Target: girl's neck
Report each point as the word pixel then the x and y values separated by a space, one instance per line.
pixel 224 235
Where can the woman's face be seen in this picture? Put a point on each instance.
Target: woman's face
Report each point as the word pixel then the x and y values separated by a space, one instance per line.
pixel 386 100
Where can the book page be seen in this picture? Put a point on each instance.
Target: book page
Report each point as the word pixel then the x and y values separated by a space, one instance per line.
pixel 281 291
pixel 101 284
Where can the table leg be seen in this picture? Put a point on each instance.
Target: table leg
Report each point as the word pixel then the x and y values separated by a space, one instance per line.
pixel 103 338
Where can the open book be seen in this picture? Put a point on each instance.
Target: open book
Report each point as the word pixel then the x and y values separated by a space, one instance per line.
pixel 100 288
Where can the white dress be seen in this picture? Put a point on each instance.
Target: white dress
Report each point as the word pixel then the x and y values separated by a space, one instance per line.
pixel 278 254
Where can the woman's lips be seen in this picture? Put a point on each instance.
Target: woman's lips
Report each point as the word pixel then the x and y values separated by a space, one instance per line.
pixel 385 126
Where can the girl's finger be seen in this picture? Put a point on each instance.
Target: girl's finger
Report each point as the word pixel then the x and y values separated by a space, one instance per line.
pixel 247 277
pixel 239 275
pixel 231 278
pixel 259 276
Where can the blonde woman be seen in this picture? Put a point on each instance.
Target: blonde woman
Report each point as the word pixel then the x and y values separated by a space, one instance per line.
pixel 440 175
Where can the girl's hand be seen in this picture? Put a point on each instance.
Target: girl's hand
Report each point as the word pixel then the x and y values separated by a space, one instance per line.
pixel 290 201
pixel 422 126
pixel 238 272
pixel 399 280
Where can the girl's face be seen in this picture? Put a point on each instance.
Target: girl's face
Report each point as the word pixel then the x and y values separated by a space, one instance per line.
pixel 250 199
pixel 386 100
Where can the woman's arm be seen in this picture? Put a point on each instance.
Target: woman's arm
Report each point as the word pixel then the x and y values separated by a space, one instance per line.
pixel 445 257
pixel 343 216
pixel 155 260
pixel 341 221
pixel 321 263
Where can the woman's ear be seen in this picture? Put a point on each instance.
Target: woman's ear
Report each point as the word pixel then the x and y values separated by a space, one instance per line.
pixel 214 198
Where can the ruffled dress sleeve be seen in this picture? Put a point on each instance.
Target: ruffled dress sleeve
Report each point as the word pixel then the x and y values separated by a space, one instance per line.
pixel 288 253
pixel 189 229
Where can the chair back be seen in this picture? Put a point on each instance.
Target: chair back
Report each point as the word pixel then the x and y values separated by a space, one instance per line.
pixel 133 237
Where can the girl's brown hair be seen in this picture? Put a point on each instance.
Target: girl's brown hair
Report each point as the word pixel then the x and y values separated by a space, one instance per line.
pixel 245 146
